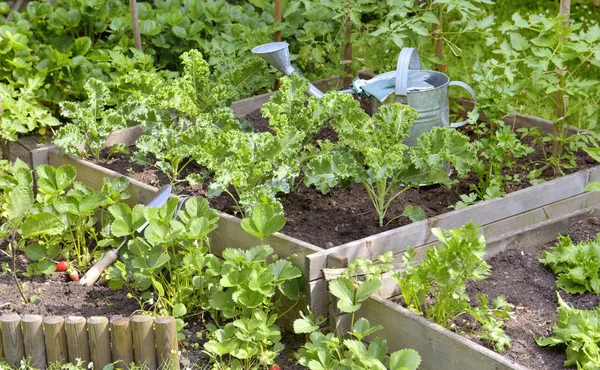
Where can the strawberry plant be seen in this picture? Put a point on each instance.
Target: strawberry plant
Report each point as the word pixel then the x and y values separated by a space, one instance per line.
pixel 346 350
pixel 168 265
pixel 578 330
pixel 23 227
pixel 436 287
pixel 247 297
pixel 576 265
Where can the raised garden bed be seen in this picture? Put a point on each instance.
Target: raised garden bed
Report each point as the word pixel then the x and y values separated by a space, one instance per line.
pixel 442 348
pixel 519 209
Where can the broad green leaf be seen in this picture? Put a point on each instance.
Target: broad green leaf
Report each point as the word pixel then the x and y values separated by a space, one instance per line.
pixel 42 224
pixel 518 42
pixel 65 175
pixel 91 202
pixel 362 328
pixel 594 153
pixel 367 288
pixel 414 213
pixel 283 270
pixel 343 289
pixel 408 359
pixel 263 222
pixel 47 267
pixel 594 186
pixel 179 310
pixel 35 252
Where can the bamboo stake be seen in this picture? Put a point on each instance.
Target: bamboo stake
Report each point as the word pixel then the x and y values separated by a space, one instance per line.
pixel 56 339
pixel 12 338
pixel 559 98
pixel 135 25
pixel 122 342
pixel 99 341
pixel 166 343
pixel 77 340
pixel 439 41
pixel 277 16
pixel 33 341
pixel 143 341
pixel 347 56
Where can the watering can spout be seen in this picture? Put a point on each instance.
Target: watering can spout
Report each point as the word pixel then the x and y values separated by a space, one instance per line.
pixel 278 55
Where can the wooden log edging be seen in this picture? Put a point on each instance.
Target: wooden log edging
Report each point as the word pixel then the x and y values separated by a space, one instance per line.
pixel 43 341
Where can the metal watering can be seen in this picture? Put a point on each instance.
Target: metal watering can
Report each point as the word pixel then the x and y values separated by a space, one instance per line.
pixel 425 91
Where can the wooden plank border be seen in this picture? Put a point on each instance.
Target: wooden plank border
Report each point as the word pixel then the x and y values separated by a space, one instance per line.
pixel 441 348
pixel 494 216
pixel 229 233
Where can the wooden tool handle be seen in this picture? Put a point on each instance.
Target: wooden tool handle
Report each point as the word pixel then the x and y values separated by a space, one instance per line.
pixel 94 273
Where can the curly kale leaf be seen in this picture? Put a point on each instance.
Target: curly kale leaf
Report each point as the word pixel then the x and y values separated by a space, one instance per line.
pixel 91 121
pixel 290 109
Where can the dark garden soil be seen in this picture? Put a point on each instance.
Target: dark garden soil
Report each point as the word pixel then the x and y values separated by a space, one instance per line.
pixel 344 214
pixel 54 295
pixel 530 287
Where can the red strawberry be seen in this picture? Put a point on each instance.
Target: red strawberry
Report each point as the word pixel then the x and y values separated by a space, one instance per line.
pixel 62 266
pixel 74 275
pixel 275 367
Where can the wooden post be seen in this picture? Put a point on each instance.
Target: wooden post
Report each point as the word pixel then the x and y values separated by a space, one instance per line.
pixel 560 109
pixel 56 339
pixel 12 338
pixel 33 341
pixel 166 343
pixel 143 341
pixel 99 341
pixel 77 340
pixel 277 16
pixel 135 25
pixel 347 57
pixel 122 343
pixel 439 41
pixel 1 351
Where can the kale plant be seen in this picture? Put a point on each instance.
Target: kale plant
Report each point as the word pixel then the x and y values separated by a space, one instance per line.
pixel 370 150
pixel 92 123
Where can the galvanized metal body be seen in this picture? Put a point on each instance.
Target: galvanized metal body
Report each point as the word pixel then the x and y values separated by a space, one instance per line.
pixel 432 105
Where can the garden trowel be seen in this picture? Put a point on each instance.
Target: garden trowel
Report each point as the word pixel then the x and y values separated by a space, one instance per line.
pixel 93 274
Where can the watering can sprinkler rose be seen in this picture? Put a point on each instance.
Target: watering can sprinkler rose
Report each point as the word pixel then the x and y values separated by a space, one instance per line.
pixel 423 90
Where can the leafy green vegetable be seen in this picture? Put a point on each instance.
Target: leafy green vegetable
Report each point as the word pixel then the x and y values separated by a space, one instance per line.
pixel 577 266
pixel 436 287
pixel 92 122
pixel 371 151
pixel 332 350
pixel 264 221
pixel 594 153
pixel 579 331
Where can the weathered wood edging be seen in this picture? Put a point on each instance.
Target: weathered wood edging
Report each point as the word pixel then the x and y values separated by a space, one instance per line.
pixel 43 341
pixel 494 216
pixel 441 348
